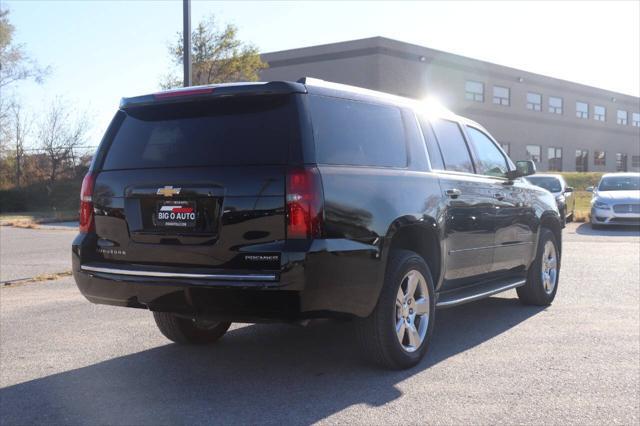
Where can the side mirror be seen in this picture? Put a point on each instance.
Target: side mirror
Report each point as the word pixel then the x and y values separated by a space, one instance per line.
pixel 568 189
pixel 523 168
pixel 589 188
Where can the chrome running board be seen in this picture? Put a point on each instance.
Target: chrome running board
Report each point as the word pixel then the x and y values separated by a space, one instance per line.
pixel 476 292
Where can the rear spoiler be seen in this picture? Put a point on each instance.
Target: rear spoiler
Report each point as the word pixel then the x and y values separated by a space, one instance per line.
pixel 194 93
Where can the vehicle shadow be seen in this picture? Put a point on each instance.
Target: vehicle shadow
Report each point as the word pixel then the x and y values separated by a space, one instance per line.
pixel 609 231
pixel 274 374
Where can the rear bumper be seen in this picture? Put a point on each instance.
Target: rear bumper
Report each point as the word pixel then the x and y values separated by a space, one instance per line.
pixel 331 278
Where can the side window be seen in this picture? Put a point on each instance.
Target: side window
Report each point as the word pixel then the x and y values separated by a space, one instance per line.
pixel 435 157
pixel 453 147
pixel 357 133
pixel 490 161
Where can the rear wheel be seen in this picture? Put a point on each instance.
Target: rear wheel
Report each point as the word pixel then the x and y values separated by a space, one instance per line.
pixel 396 335
pixel 542 278
pixel 186 331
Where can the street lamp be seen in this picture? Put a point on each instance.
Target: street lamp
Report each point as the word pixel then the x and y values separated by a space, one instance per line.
pixel 186 43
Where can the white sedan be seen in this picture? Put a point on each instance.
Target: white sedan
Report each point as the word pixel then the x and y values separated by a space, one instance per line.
pixel 616 200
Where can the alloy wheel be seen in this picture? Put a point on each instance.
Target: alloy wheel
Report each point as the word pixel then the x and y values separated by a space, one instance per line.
pixel 412 311
pixel 549 267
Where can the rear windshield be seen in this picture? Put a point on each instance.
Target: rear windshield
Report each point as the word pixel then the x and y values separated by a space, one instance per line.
pixel 235 131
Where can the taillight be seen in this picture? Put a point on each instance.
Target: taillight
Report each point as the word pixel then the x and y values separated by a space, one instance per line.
pixel 304 203
pixel 87 223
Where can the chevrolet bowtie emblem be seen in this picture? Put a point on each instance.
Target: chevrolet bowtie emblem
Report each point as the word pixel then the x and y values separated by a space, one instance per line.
pixel 168 191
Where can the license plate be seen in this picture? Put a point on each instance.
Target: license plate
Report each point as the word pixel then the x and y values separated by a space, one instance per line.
pixel 176 214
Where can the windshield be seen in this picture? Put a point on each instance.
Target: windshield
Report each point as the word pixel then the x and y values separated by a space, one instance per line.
pixel 619 183
pixel 551 184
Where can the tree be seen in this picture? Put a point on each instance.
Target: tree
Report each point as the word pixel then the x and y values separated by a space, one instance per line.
pixel 217 56
pixel 20 128
pixel 60 134
pixel 15 65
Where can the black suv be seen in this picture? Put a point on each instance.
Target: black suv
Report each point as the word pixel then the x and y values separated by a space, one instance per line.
pixel 289 201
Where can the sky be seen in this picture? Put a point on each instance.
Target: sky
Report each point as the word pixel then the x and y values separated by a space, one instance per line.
pixel 100 51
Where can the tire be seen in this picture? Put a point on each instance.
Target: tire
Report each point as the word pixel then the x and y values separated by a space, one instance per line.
pixel 538 291
pixel 185 331
pixel 570 217
pixel 377 333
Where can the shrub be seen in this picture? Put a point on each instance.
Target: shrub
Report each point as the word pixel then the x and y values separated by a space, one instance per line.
pixel 41 196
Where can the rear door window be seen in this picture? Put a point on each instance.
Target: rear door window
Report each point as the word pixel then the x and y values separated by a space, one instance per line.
pixel 241 131
pixel 357 133
pixel 454 149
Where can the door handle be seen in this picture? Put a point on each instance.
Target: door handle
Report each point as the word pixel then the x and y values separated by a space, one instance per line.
pixel 453 192
pixel 498 196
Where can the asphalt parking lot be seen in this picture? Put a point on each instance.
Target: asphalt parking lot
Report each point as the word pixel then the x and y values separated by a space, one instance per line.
pixel 66 361
pixel 27 253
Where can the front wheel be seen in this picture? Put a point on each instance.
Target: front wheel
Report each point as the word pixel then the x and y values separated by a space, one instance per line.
pixel 542 278
pixel 186 331
pixel 396 335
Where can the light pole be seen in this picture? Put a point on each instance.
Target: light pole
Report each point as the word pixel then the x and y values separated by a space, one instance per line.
pixel 186 37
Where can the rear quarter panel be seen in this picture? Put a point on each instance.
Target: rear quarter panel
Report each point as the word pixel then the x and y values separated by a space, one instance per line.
pixel 365 206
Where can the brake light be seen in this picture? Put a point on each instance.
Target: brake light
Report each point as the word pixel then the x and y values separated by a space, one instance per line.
pixel 304 203
pixel 181 92
pixel 87 223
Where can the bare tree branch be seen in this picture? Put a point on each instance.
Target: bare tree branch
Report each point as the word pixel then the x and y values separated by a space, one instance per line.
pixel 60 133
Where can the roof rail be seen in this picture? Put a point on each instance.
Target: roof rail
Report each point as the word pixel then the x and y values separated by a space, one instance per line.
pixel 310 81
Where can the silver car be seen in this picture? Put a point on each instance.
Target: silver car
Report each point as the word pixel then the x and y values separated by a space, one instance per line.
pixel 563 193
pixel 616 200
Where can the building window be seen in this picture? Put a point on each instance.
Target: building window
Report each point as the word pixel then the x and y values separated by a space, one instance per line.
pixel 474 91
pixel 635 161
pixel 555 105
pixel 533 153
pixel 582 160
pixel 582 110
pixel 599 158
pixel 555 159
pixel 635 119
pixel 599 112
pixel 622 117
pixel 621 162
pixel 506 147
pixel 501 95
pixel 534 101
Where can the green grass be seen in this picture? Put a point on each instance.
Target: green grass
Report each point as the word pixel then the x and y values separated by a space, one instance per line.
pixel 580 181
pixel 583 206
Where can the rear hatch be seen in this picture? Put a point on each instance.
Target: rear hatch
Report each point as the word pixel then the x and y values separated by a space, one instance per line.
pixel 197 184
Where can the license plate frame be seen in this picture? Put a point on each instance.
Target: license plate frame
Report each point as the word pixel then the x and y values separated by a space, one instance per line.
pixel 176 214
